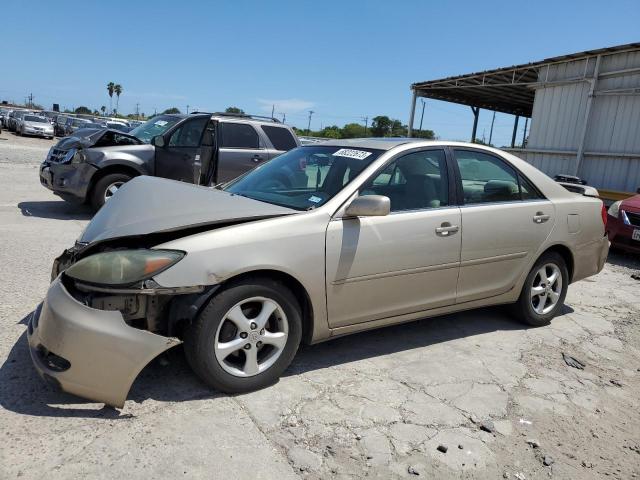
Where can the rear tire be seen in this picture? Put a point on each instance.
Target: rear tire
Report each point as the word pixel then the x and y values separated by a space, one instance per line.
pixel 105 187
pixel 220 350
pixel 544 291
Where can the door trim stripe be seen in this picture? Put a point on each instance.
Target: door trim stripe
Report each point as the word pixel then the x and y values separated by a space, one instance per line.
pixel 396 273
pixel 497 258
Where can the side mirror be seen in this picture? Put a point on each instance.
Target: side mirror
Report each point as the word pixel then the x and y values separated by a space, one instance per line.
pixel 369 206
pixel 158 141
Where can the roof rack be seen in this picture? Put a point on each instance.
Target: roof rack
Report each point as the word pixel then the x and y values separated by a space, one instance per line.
pixel 240 115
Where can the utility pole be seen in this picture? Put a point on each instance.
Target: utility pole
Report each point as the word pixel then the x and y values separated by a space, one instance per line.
pixel 311 112
pixel 137 111
pixel 524 134
pixel 273 109
pixel 284 117
pixel 422 115
pixel 366 124
pixel 187 109
pixel 491 131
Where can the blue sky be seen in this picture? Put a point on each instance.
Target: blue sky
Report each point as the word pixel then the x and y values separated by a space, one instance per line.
pixel 343 59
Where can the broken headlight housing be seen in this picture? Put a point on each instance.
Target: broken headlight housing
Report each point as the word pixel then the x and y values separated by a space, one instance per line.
pixel 123 267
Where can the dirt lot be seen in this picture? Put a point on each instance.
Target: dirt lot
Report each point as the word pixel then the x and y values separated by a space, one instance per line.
pixel 497 396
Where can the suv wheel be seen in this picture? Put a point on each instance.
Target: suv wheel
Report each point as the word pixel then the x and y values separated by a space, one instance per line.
pixel 544 290
pixel 245 337
pixel 106 187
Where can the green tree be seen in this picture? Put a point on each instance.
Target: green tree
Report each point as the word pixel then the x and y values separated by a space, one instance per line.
pixel 353 130
pixel 331 132
pixel 172 110
pixel 82 110
pixel 426 134
pixel 398 129
pixel 103 109
pixel 117 89
pixel 110 89
pixel 381 126
pixel 235 110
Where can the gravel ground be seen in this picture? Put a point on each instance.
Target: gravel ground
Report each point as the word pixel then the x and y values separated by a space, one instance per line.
pixel 471 395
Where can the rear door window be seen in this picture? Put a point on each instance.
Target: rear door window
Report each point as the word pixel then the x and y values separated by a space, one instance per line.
pixel 280 137
pixel 489 179
pixel 238 135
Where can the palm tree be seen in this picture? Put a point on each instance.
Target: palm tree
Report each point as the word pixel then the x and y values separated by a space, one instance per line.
pixel 103 109
pixel 111 88
pixel 117 89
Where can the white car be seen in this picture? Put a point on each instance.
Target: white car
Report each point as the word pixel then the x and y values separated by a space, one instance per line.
pixel 36 126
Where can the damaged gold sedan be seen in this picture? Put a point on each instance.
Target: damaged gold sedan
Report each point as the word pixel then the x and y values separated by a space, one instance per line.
pixel 324 240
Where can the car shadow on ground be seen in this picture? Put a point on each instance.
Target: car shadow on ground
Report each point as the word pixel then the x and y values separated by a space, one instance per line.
pixel 55 209
pixel 169 377
pixel 624 259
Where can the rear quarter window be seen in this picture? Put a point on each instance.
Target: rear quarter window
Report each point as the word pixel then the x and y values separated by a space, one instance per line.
pixel 280 137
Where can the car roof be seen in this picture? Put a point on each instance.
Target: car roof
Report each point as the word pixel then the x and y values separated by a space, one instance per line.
pixel 374 143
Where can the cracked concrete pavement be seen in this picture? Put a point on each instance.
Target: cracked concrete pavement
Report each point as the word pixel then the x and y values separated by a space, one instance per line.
pixel 374 405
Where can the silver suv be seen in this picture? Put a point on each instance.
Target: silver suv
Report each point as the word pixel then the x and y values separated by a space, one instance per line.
pixel 201 148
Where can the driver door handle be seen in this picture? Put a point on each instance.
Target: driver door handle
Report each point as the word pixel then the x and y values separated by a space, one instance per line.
pixel 540 217
pixel 446 229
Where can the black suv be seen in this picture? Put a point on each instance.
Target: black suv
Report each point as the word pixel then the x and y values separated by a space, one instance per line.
pixel 201 148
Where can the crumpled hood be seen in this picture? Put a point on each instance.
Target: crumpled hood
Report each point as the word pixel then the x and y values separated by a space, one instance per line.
pixel 147 205
pixel 87 137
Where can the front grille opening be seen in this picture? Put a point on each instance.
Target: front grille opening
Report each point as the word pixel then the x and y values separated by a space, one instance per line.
pixel 52 361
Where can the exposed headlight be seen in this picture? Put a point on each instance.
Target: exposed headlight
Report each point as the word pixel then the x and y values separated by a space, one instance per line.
pixel 69 155
pixel 78 157
pixel 614 209
pixel 123 267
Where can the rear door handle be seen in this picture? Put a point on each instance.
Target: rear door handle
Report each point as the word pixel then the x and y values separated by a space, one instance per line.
pixel 446 229
pixel 256 158
pixel 541 217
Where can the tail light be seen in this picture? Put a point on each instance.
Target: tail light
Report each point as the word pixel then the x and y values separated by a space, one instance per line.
pixel 604 215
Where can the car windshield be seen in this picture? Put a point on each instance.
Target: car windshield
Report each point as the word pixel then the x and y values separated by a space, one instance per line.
pixel 304 178
pixel 156 126
pixel 33 118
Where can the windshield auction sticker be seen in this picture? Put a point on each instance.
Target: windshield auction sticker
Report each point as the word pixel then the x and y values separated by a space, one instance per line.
pixel 346 152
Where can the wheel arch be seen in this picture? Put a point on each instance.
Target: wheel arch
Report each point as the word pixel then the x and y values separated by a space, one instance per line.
pixel 293 284
pixel 566 254
pixel 109 169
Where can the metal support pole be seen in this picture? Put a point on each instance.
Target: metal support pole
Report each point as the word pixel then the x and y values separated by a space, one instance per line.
pixel 587 114
pixel 491 131
pixel 524 134
pixel 476 114
pixel 515 129
pixel 412 114
pixel 422 114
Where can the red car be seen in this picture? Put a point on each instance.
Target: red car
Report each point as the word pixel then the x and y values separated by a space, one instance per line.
pixel 623 224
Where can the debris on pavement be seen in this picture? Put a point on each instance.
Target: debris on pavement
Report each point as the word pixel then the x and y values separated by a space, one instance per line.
pixel 442 448
pixel 635 276
pixel 615 382
pixel 488 426
pixel 525 422
pixel 573 362
pixel 547 461
pixel 534 443
pixel 413 470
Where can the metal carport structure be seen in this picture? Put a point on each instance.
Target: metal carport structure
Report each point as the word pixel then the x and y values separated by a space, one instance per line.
pixel 584 105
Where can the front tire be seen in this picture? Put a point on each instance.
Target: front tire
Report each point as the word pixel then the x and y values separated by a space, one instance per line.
pixel 106 187
pixel 544 291
pixel 246 336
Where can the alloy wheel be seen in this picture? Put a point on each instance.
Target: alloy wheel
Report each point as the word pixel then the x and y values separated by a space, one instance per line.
pixel 251 337
pixel 111 190
pixel 546 288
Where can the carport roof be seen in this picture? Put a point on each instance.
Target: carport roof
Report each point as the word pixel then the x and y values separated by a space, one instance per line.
pixel 507 89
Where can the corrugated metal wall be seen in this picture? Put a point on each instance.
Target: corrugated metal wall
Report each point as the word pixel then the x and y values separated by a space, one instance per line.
pixel 612 143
